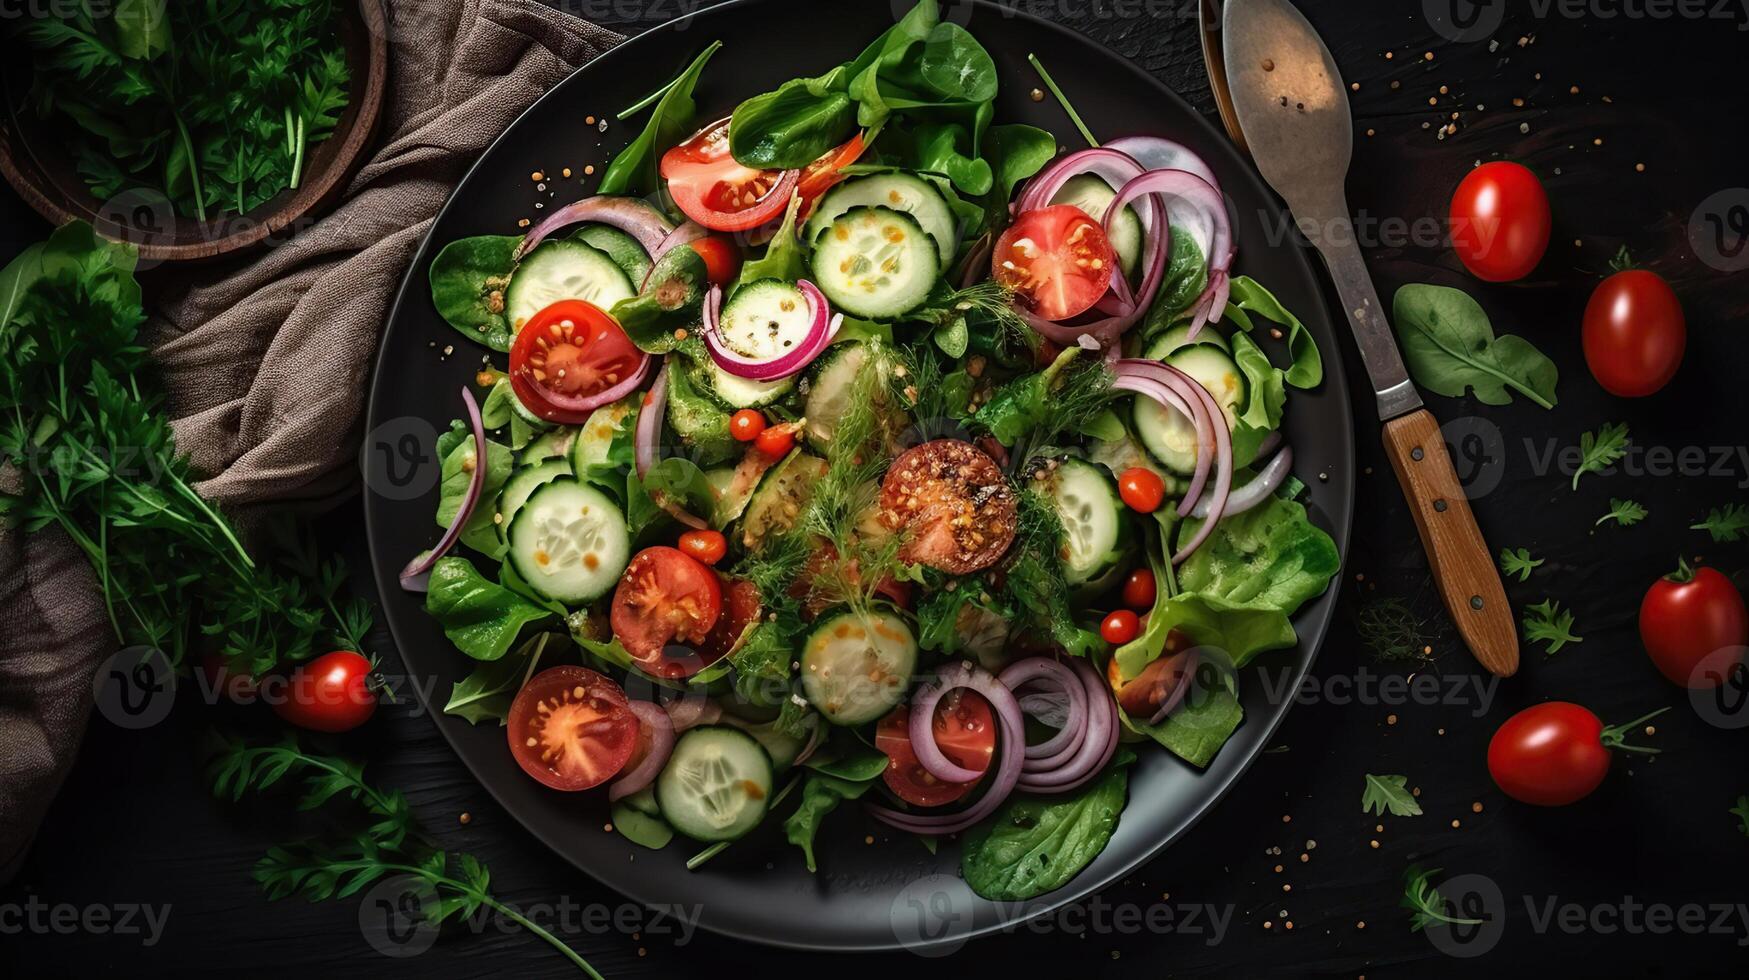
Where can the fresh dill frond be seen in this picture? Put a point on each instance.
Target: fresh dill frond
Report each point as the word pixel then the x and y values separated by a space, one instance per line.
pixel 1392 631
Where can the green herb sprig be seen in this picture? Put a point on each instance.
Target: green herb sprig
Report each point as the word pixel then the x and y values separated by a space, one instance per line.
pixel 1547 623
pixel 1517 561
pixel 1727 525
pixel 1388 794
pixel 1601 449
pixel 1423 899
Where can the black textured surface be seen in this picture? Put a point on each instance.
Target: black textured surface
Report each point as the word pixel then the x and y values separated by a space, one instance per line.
pixel 135 825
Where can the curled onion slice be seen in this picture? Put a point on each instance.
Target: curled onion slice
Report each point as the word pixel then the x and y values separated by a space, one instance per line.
pixel 1176 391
pixel 661 728
pixel 1097 747
pixel 415 576
pixel 648 434
pixel 1258 490
pixel 636 218
pixel 1156 153
pixel 1186 670
pixel 821 329
pixel 1061 679
pixel 1005 767
pixel 1188 199
pixel 691 710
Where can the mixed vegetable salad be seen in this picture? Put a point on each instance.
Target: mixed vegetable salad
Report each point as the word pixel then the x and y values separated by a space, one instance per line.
pixel 876 452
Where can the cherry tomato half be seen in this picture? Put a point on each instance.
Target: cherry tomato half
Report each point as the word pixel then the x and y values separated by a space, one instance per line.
pixel 1142 489
pixel 776 441
pixel 954 505
pixel 746 424
pixel 819 177
pixel 1634 332
pixel 1056 259
pixel 965 730
pixel 664 598
pixel 1694 626
pixel 1500 221
pixel 1122 626
pixel 1139 590
pixel 1555 753
pixel 721 260
pixel 718 193
pixel 565 354
pixel 329 694
pixel 704 545
pixel 570 728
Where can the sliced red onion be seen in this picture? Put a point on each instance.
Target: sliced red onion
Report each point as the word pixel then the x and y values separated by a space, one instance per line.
pixel 692 710
pixel 1005 767
pixel 646 438
pixel 1096 747
pixel 1059 679
pixel 415 576
pixel 1186 671
pixel 630 215
pixel 1155 153
pixel 1113 166
pixel 823 328
pixel 1176 391
pixel 661 728
pixel 815 736
pixel 1223 479
pixel 582 405
pixel 686 234
pixel 1258 490
pixel 922 730
pixel 1189 198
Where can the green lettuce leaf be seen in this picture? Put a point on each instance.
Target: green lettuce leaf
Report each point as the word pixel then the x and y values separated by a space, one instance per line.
pixel 1034 845
pixel 481 617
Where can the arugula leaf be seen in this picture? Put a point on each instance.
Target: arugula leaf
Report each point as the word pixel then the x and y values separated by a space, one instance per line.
pixel 1429 906
pixel 1600 450
pixel 486 693
pixel 481 617
pixel 468 279
pixel 1624 512
pixel 1031 846
pixel 1727 525
pixel 1518 562
pixel 1388 793
pixel 1547 623
pixel 635 168
pixel 1450 347
pixel 821 794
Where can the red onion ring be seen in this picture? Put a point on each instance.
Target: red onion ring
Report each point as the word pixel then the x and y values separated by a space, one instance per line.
pixel 1034 669
pixel 1189 190
pixel 1096 748
pixel 691 710
pixel 820 334
pixel 1005 766
pixel 1156 153
pixel 815 737
pixel 1258 490
pixel 922 732
pixel 415 577
pixel 581 405
pixel 1186 674
pixel 661 747
pixel 648 433
pixel 630 215
pixel 1176 391
pixel 1223 478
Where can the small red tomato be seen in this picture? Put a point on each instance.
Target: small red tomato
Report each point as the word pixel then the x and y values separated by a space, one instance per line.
pixel 331 693
pixel 1695 627
pixel 1500 221
pixel 1120 627
pixel 1141 489
pixel 1635 333
pixel 776 441
pixel 746 425
pixel 706 546
pixel 721 261
pixel 1139 589
pixel 1556 753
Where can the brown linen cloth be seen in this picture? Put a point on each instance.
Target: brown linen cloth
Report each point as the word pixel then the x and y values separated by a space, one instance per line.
pixel 266 366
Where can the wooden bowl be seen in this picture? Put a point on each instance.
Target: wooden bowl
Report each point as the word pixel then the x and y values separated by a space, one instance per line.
pixel 39 168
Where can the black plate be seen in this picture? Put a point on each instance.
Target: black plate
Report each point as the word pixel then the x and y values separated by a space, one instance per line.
pixel 894 894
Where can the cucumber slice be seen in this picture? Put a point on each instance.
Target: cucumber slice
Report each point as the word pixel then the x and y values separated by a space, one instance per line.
pixel 779 500
pixel 522 484
pixel 735 392
pixel 1093 196
pixel 1170 437
pixel 855 668
pixel 1088 506
pixel 551 445
pixel 569 542
pixel 765 320
pixel 622 248
pixel 782 748
pixel 561 270
pixel 875 262
pixel 833 389
pixel 1177 338
pixel 717 784
pixel 909 193
pixel 594 439
pixel 731 497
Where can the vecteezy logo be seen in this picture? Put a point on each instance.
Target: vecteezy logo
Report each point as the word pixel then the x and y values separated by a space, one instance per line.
pixel 1478 454
pixel 1718 230
pixel 931 915
pixel 1464 21
pixel 1719 689
pixel 397 916
pixel 1476 901
pixel 400 458
pixel 135 688
pixel 140 215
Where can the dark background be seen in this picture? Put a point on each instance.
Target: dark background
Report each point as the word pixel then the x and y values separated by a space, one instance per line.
pixel 136 824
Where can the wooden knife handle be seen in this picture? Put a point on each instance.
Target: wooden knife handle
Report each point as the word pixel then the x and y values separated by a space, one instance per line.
pixel 1463 566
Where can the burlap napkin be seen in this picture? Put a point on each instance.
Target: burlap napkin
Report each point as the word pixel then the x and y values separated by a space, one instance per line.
pixel 267 365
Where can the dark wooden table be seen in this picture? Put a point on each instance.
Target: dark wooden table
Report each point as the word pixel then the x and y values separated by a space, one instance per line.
pixel 1627 883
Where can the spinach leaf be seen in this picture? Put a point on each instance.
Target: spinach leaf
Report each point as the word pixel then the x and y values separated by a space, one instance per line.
pixel 860 765
pixel 821 794
pixel 1209 715
pixel 1450 346
pixel 486 693
pixel 481 617
pixel 1187 275
pixel 784 256
pixel 1016 153
pixel 468 279
pixel 1266 395
pixel 635 168
pixel 481 532
pixel 943 149
pixel 795 125
pixel 639 827
pixel 679 482
pixel 1032 846
pixel 1247 297
pixel 670 301
pixel 495 411
pixel 956 66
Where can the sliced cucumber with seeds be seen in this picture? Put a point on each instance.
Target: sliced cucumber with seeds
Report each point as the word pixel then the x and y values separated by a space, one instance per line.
pixel 909 193
pixel 522 485
pixel 1169 436
pixel 622 248
pixel 765 320
pixel 569 542
pixel 595 436
pixel 835 386
pixel 857 666
pixel 777 504
pixel 1093 196
pixel 875 262
pixel 735 392
pixel 717 784
pixel 561 270
pixel 550 445
pixel 1174 339
pixel 1088 506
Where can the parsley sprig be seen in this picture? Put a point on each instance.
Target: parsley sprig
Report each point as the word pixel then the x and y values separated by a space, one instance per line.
pixel 1390 794
pixel 1547 622
pixel 1429 906
pixel 1517 561
pixel 1624 512
pixel 1601 449
pixel 1725 525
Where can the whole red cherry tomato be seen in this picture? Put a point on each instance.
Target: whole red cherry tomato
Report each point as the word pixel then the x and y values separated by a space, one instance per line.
pixel 1500 221
pixel 1142 489
pixel 1120 627
pixel 746 425
pixel 1694 626
pixel 1139 589
pixel 331 693
pixel 1635 332
pixel 1556 753
pixel 704 545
